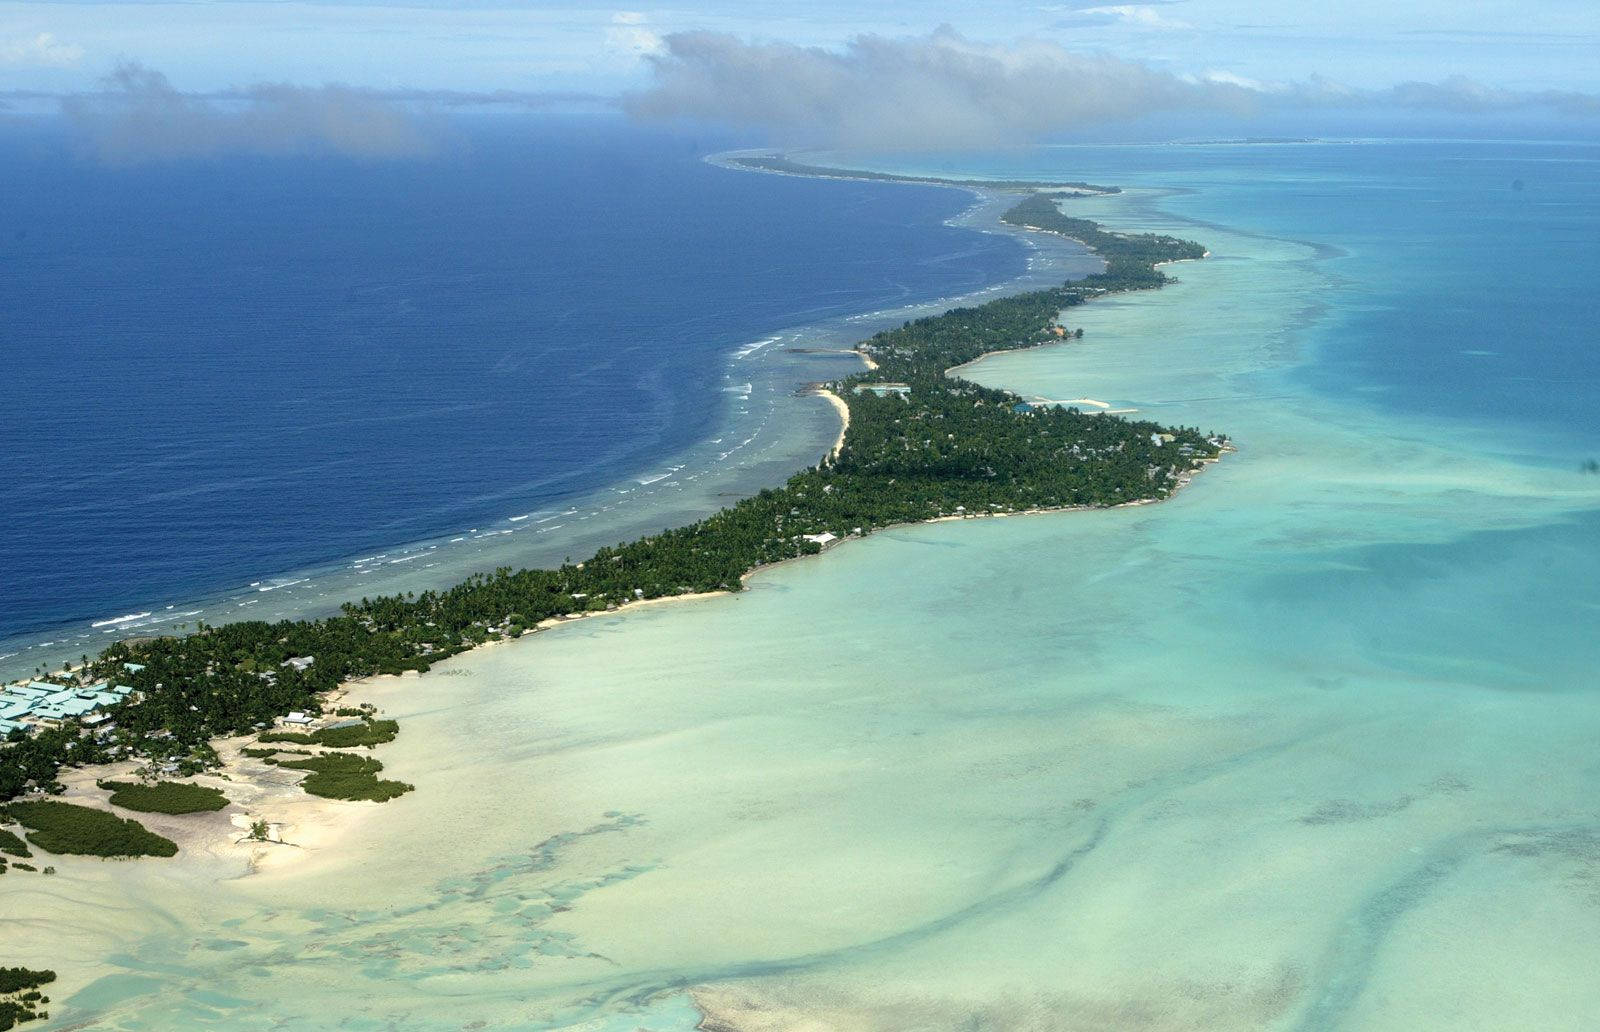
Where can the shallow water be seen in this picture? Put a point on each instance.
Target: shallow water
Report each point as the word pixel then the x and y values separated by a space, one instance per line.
pixel 1308 747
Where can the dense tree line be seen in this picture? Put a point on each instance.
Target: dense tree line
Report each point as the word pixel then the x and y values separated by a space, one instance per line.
pixel 942 447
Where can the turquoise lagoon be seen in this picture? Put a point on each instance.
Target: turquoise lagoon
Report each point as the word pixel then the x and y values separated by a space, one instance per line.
pixel 1309 747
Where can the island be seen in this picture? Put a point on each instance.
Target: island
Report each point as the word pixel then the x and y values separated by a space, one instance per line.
pixel 919 444
pixel 787 166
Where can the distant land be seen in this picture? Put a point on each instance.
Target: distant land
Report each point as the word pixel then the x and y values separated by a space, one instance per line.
pixel 785 166
pixel 1249 140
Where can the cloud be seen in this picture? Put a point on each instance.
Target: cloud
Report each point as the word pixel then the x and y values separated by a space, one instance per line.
pixel 629 33
pixel 1461 95
pixel 1139 16
pixel 141 117
pixel 1223 75
pixel 1455 95
pixel 908 92
pixel 943 90
pixel 43 49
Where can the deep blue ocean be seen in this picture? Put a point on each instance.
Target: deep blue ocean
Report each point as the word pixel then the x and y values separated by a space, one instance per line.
pixel 221 370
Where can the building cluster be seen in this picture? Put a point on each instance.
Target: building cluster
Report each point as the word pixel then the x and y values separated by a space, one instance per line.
pixel 32 704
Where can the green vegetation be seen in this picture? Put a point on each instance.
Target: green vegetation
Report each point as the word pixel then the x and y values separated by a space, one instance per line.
pixel 20 998
pixel 346 776
pixel 776 163
pixel 297 737
pixel 1131 258
pixel 58 827
pixel 12 845
pixel 368 733
pixel 18 979
pixel 944 447
pixel 171 797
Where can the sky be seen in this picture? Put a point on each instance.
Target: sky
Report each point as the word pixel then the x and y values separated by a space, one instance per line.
pixel 586 47
pixel 798 67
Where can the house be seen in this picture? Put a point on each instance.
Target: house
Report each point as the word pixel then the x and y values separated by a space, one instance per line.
pixel 45 702
pixel 133 668
pixel 64 706
pixel 824 539
pixel 299 662
pixel 885 389
pixel 297 717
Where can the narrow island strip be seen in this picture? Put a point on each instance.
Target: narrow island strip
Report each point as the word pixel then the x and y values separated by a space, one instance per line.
pixel 918 444
pixel 787 166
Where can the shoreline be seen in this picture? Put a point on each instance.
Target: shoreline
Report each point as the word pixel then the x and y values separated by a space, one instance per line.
pixel 241 601
pixel 844 419
pixel 312 827
pixel 316 824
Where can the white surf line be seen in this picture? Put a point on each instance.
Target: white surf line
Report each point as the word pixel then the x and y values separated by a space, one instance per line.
pixel 285 584
pixel 114 621
pixel 751 348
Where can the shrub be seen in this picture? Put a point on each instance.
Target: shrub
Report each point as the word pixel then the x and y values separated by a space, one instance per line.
pixel 23 1007
pixel 346 776
pixel 58 827
pixel 10 843
pixel 296 737
pixel 368 733
pixel 16 979
pixel 172 797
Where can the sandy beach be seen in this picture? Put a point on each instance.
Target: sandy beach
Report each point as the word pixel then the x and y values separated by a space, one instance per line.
pixel 844 421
